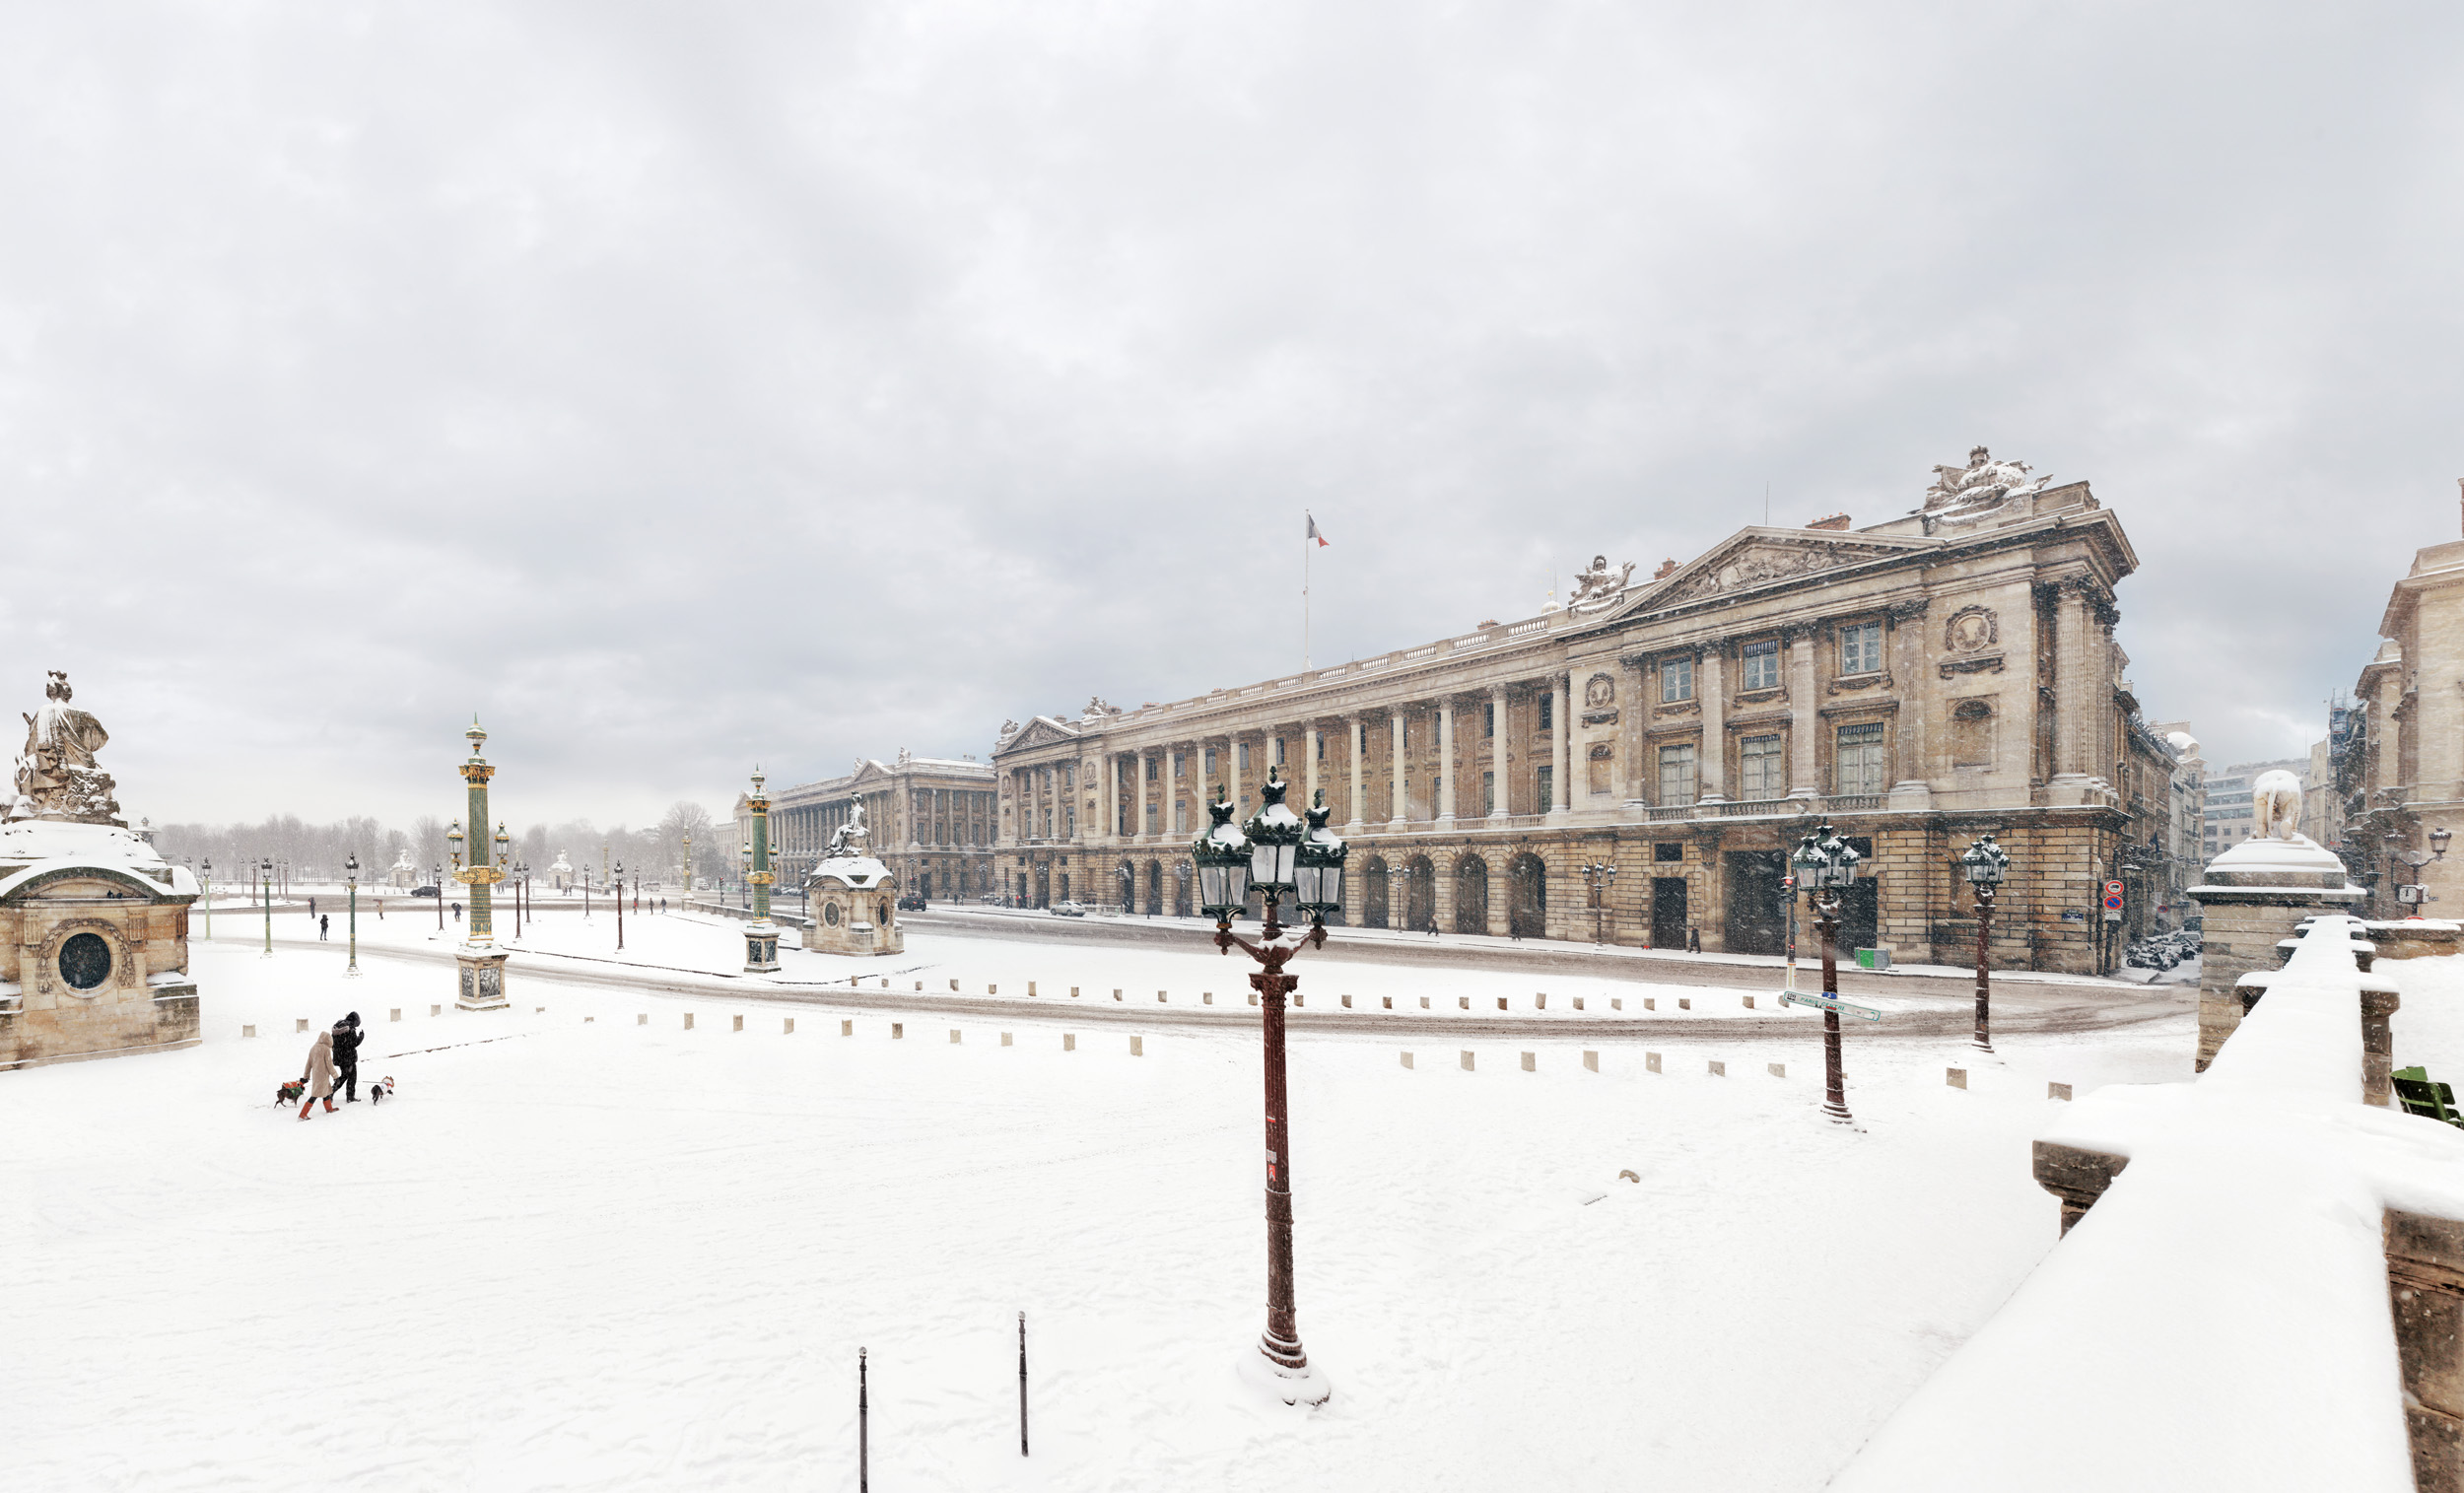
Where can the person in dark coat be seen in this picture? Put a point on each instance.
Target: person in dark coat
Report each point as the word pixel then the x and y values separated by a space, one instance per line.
pixel 324 926
pixel 347 1039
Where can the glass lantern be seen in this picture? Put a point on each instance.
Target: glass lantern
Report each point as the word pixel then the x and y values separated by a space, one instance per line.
pixel 1985 862
pixel 351 869
pixel 1275 834
pixel 1317 871
pixel 1223 857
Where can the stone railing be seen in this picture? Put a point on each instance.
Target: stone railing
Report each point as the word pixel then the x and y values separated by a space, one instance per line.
pixel 2262 1290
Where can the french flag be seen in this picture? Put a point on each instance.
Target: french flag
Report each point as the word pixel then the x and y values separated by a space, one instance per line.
pixel 1313 528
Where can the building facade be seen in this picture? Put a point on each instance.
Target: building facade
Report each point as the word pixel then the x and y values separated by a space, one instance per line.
pixel 1917 683
pixel 931 819
pixel 2397 751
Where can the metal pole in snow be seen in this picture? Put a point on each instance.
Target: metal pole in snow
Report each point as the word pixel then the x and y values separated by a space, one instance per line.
pixel 1022 1383
pixel 863 1427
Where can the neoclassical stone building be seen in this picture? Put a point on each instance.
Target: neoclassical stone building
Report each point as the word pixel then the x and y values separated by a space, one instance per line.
pixel 931 822
pixel 2396 753
pixel 1917 682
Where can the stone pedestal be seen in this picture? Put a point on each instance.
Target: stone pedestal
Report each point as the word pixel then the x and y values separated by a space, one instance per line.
pixel 760 947
pixel 2251 899
pixel 481 978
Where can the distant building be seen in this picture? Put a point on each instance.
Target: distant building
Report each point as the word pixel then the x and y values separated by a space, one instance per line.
pixel 2228 820
pixel 932 820
pixel 2187 819
pixel 2396 754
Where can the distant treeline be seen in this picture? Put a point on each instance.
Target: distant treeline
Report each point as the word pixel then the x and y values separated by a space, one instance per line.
pixel 316 852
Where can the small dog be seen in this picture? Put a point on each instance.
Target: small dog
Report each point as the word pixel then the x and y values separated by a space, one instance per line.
pixel 380 1090
pixel 289 1093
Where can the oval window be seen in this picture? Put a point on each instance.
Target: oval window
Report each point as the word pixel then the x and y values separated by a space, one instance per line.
pixel 85 961
pixel 885 915
pixel 830 914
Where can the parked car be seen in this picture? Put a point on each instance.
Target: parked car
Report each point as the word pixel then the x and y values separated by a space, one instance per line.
pixel 426 892
pixel 911 903
pixel 1069 909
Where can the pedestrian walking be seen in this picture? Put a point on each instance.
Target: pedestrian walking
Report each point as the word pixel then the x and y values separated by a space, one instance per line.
pixel 324 926
pixel 458 911
pixel 319 1074
pixel 347 1039
pixel 1693 939
pixel 311 907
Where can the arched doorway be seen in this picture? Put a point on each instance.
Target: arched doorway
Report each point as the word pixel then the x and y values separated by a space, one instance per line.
pixel 1471 895
pixel 1125 881
pixel 1043 886
pixel 1527 909
pixel 1373 894
pixel 1154 889
pixel 1180 905
pixel 1419 896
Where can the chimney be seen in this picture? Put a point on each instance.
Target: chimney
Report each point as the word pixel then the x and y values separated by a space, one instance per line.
pixel 1833 521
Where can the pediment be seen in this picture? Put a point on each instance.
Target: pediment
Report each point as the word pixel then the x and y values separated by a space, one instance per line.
pixel 1042 730
pixel 1755 558
pixel 867 771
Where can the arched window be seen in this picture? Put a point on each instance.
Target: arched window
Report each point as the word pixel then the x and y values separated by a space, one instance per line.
pixel 1972 734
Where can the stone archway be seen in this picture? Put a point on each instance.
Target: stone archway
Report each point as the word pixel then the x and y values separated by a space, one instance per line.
pixel 1182 907
pixel 1373 898
pixel 1471 895
pixel 1527 905
pixel 1419 896
pixel 1126 882
pixel 1154 888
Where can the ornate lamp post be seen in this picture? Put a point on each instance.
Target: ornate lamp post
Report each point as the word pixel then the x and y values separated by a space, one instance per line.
pixel 482 962
pixel 265 880
pixel 1986 864
pixel 1277 855
pixel 688 869
pixel 207 865
pixel 760 935
pixel 2409 893
pixel 1598 876
pixel 351 877
pixel 744 874
pixel 620 908
pixel 521 894
pixel 436 878
pixel 1826 864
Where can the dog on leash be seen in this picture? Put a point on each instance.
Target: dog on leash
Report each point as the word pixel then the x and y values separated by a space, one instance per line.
pixel 289 1093
pixel 380 1090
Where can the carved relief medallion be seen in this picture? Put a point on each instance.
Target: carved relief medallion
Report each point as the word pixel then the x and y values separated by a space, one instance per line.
pixel 1971 630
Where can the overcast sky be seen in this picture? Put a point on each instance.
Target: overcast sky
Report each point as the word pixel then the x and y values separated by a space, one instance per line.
pixel 683 387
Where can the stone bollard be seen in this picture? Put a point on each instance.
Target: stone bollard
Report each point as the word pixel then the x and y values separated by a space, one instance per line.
pixel 1719 1069
pixel 539 1011
pixel 953 1037
pixel 397 1014
pixel 1207 999
pixel 789 1029
pixel 1390 1002
pixel 1466 1062
pixel 1651 1003
pixel 1617 1003
pixel 302 1026
pixel 1685 1002
pixel 1749 1002
pixel 739 1026
pixel 1465 1001
pixel 1650 1062
pixel 1591 1061
pixel 897 1031
pixel 1539 1001
pixel 1004 1039
pixel 586 1020
pixel 1030 987
pixel 953 986
pixel 247 1030
pixel 1425 1002
pixel 1296 999
pixel 885 985
pixel 642 1019
pixel 1347 1003
pixel 1957 1078
pixel 1069 1042
pixel 2057 1090
pixel 919 986
pixel 847 1029
pixel 991 990
pixel 1776 1069
pixel 1501 1002
pixel 1406 1059
pixel 1116 995
pixel 1578 1002
pixel 1531 1063
pixel 1253 998
pixel 688 1021
pixel 1137 1046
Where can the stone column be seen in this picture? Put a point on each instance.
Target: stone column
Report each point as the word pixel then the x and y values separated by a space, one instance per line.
pixel 2071 679
pixel 1913 751
pixel 1497 764
pixel 1561 750
pixel 1309 760
pixel 1139 830
pixel 1446 774
pixel 1711 682
pixel 1634 685
pixel 1359 733
pixel 2251 899
pixel 1232 775
pixel 1112 796
pixel 1395 727
pixel 1805 772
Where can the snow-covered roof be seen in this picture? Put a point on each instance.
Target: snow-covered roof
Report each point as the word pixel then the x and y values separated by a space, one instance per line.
pixel 40 849
pixel 861 872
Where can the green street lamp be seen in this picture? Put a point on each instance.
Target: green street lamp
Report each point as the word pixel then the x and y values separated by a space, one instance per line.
pixel 1826 865
pixel 265 879
pixel 1985 864
pixel 436 877
pixel 760 935
pixel 1277 855
pixel 620 908
pixel 351 877
pixel 207 867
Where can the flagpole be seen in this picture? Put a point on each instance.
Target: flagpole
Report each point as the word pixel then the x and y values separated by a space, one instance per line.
pixel 1304 601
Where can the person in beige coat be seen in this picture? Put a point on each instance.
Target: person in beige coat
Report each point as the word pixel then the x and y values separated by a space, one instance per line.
pixel 319 1076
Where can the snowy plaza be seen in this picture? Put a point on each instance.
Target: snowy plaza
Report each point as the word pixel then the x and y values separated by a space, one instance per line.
pixel 588 1246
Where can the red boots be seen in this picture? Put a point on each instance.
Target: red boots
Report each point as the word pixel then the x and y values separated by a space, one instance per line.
pixel 310 1102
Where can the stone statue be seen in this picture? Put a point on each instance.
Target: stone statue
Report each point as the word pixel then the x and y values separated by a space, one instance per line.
pixel 56 774
pixel 850 837
pixel 2276 803
pixel 1983 484
pixel 1008 729
pixel 1599 585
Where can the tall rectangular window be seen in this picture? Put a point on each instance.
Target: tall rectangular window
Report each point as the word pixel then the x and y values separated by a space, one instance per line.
pixel 1677 775
pixel 1180 817
pixel 1547 794
pixel 1857 766
pixel 1210 762
pixel 1279 758
pixel 1489 792
pixel 1861 648
pixel 1762 664
pixel 1549 711
pixel 1676 680
pixel 1759 764
pixel 1150 770
pixel 1244 756
pixel 1597 765
pixel 1489 719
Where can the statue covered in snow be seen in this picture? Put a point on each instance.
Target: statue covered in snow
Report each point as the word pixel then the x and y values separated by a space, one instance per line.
pixel 1599 585
pixel 1983 485
pixel 2276 803
pixel 57 777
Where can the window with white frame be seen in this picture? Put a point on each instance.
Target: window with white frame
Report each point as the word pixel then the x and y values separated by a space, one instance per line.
pixel 1861 648
pixel 1759 765
pixel 1762 664
pixel 1676 680
pixel 1677 775
pixel 1857 763
pixel 1489 792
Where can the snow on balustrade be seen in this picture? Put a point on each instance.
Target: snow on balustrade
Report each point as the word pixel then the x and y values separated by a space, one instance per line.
pixel 2220 1317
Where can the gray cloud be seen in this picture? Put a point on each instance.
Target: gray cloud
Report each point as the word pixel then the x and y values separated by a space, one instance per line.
pixel 677 389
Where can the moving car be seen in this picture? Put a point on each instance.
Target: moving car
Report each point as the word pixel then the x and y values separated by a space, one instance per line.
pixel 911 903
pixel 1068 910
pixel 426 892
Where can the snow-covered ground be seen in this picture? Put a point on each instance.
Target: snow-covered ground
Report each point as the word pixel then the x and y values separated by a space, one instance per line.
pixel 579 1251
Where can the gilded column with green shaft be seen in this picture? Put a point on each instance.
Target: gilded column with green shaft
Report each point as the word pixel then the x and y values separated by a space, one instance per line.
pixel 760 935
pixel 482 964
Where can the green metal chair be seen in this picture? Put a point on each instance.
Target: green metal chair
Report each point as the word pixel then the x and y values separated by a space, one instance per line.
pixel 2418 1096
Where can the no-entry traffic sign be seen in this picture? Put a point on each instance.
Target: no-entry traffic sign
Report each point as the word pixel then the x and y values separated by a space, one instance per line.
pixel 2113 897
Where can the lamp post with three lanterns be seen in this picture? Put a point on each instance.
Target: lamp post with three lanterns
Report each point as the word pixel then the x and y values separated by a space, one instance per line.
pixel 351 877
pixel 1824 867
pixel 1276 855
pixel 1985 864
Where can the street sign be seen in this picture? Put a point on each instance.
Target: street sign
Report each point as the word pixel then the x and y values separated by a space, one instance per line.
pixel 1826 1002
pixel 2113 896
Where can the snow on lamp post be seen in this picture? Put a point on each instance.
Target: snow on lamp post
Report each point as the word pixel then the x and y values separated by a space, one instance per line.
pixel 350 878
pixel 1985 864
pixel 1276 855
pixel 1824 867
